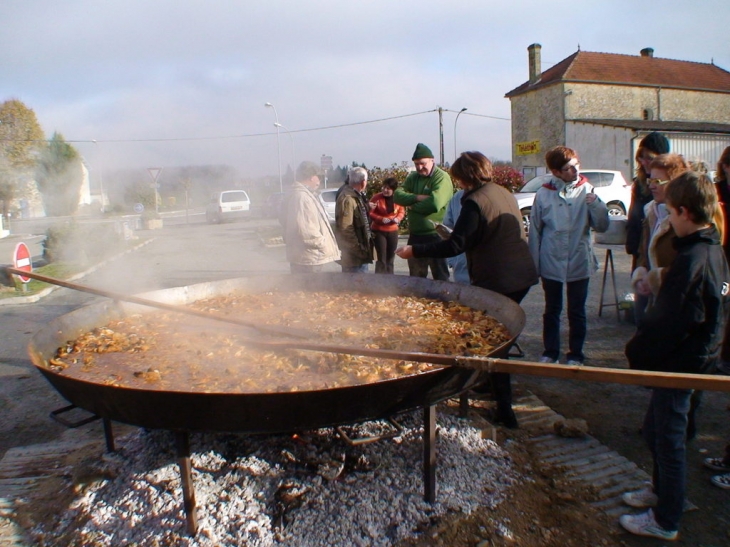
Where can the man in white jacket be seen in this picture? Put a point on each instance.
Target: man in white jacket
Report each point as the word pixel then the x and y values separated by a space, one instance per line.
pixel 310 241
pixel 563 213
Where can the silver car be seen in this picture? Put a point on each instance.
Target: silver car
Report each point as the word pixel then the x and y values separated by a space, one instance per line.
pixel 328 197
pixel 610 186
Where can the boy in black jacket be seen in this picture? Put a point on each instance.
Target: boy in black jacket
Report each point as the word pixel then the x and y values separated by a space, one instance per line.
pixel 682 332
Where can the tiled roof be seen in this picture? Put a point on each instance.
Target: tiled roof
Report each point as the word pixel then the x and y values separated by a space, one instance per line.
pixel 613 68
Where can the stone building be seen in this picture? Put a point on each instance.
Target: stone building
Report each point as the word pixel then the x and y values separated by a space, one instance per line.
pixel 603 104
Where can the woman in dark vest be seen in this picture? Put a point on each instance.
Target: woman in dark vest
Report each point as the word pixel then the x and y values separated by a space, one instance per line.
pixel 490 232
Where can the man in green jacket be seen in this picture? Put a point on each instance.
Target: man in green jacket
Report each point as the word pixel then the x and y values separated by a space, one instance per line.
pixel 425 194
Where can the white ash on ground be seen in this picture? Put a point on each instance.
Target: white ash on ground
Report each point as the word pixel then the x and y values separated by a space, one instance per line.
pixel 309 489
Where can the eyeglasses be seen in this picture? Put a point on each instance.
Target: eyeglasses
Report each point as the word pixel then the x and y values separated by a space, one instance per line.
pixel 658 182
pixel 571 165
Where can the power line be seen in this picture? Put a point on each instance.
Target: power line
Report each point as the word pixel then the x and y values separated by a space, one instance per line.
pixel 251 135
pixel 362 123
pixel 478 115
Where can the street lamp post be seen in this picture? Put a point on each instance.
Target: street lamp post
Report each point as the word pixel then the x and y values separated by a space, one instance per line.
pixel 441 136
pixel 291 139
pixel 278 147
pixel 101 174
pixel 456 153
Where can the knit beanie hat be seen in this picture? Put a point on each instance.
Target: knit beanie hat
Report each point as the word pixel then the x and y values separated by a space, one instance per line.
pixel 422 151
pixel 655 142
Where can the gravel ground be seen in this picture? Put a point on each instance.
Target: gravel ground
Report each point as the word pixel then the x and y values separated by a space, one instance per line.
pixel 305 490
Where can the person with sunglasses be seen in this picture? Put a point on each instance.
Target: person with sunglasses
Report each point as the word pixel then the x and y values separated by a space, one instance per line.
pixel 656 250
pixel 651 146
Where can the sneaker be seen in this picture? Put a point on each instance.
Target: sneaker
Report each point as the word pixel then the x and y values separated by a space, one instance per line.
pixel 546 359
pixel 716 464
pixel 721 481
pixel 575 362
pixel 641 498
pixel 644 524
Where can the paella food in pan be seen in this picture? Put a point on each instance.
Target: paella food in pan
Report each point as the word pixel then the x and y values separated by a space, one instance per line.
pixel 169 351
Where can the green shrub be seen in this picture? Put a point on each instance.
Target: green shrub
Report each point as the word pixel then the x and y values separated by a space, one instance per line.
pixel 508 176
pixel 82 243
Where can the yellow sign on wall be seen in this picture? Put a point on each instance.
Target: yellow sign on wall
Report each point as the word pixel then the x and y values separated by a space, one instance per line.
pixel 527 148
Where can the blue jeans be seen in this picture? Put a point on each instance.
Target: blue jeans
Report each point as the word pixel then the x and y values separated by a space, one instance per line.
pixel 577 295
pixel 665 428
pixel 362 268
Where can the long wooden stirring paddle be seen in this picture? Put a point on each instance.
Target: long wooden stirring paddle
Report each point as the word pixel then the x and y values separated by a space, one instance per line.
pixel 487 364
pixel 711 382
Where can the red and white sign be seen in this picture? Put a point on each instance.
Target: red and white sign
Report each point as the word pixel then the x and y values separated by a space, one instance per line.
pixel 154 174
pixel 22 260
pixel 325 162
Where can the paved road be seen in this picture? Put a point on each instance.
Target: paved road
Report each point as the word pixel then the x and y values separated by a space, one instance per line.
pixel 188 251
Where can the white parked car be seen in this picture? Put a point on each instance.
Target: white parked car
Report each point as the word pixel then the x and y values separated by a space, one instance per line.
pixel 610 186
pixel 227 205
pixel 328 197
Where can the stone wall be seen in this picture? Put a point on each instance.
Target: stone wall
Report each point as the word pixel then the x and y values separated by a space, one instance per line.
pixel 695 106
pixel 613 102
pixel 622 102
pixel 537 116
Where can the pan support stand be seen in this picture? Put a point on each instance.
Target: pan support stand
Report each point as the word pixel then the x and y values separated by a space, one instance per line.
pixel 58 416
pixel 609 264
pixel 182 445
pixel 429 453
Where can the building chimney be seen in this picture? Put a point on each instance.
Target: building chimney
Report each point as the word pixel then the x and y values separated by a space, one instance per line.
pixel 647 52
pixel 534 63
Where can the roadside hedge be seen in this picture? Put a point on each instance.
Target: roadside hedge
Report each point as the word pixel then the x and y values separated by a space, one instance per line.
pixel 82 243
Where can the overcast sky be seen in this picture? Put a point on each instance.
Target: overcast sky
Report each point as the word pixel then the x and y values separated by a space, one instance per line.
pixel 162 83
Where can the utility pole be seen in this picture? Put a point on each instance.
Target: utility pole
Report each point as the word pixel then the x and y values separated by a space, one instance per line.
pixel 456 150
pixel 441 136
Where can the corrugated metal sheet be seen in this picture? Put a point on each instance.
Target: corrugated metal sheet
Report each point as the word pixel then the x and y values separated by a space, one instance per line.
pixel 695 147
pixel 707 148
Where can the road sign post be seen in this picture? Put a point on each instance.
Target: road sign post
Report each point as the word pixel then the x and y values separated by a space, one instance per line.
pixel 155 174
pixel 23 261
pixel 325 162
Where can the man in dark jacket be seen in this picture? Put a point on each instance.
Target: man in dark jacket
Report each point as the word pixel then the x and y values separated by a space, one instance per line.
pixel 352 223
pixel 681 332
